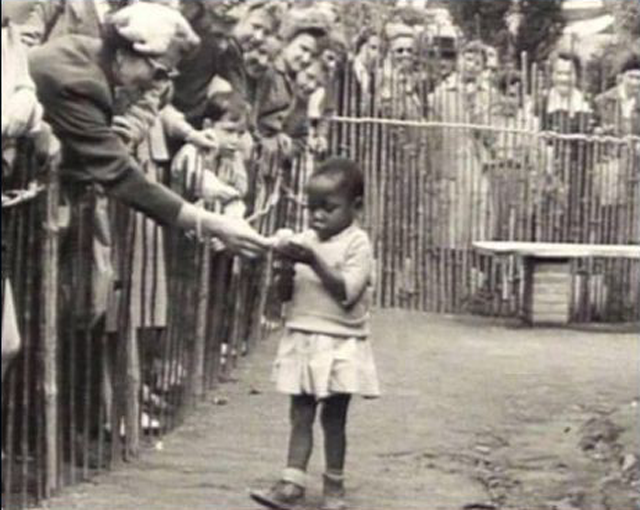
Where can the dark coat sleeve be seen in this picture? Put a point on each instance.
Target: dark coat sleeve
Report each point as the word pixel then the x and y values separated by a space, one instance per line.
pixel 80 115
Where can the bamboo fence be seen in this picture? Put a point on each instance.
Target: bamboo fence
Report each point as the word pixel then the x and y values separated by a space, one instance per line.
pixel 464 166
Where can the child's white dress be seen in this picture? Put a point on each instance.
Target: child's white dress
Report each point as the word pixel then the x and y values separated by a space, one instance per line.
pixel 325 348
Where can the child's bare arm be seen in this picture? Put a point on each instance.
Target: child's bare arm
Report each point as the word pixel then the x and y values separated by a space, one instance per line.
pixel 330 277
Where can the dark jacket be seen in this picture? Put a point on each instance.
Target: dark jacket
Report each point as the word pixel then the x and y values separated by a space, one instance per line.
pixel 217 55
pixel 73 82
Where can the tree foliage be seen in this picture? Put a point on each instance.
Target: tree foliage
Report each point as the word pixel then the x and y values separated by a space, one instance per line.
pixel 542 26
pixel 627 14
pixel 482 19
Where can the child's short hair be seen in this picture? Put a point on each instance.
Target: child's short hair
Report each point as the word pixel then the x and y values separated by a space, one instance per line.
pixel 230 104
pixel 347 170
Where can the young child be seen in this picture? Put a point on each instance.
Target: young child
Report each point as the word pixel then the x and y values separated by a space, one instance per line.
pixel 219 176
pixel 325 356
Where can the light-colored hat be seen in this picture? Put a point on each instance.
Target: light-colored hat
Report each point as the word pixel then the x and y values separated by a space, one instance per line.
pixel 396 30
pixel 156 31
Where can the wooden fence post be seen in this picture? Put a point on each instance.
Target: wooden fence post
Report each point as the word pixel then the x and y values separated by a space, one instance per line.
pixel 49 331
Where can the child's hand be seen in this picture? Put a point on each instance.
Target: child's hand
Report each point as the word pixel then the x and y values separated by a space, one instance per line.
pixel 298 252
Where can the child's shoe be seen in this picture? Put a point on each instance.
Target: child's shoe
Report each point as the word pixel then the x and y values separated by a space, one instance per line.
pixel 333 492
pixel 282 496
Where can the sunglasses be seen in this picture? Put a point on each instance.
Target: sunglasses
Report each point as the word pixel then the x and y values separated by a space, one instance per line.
pixel 403 51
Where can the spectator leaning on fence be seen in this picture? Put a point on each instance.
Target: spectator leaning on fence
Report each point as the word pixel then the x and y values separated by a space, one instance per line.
pixel 76 76
pixel 21 117
pixel 302 33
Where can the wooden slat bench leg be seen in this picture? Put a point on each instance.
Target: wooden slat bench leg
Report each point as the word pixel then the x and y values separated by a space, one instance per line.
pixel 547 291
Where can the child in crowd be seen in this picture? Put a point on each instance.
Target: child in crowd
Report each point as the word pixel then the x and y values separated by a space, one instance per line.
pixel 325 356
pixel 218 176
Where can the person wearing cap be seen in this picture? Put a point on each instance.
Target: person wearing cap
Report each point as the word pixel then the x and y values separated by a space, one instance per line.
pixel 76 78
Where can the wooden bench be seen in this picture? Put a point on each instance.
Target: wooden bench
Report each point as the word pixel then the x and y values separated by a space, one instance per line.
pixel 547 274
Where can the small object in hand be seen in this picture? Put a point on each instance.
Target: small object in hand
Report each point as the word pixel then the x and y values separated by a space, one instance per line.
pixel 282 237
pixel 284 274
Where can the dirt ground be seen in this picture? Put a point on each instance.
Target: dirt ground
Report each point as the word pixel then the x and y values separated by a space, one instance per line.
pixel 476 414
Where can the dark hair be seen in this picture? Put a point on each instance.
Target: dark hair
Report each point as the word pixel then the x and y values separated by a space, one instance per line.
pixel 631 63
pixel 231 104
pixel 317 33
pixel 363 38
pixel 507 79
pixel 571 57
pixel 347 170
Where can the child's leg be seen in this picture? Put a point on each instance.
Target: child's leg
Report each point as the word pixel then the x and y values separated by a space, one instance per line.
pixel 302 416
pixel 290 489
pixel 334 425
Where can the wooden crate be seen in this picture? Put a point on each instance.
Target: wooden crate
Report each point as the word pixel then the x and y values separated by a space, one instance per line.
pixel 547 291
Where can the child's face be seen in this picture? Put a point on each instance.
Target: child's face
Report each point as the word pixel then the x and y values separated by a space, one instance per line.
pixel 330 206
pixel 228 134
pixel 309 80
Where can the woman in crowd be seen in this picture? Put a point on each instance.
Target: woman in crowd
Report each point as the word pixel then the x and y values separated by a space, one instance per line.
pixel 302 34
